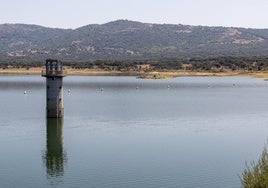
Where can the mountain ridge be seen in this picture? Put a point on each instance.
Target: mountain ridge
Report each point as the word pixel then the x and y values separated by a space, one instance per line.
pixel 124 39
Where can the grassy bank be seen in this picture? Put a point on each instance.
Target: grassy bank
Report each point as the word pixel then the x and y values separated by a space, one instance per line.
pixel 147 75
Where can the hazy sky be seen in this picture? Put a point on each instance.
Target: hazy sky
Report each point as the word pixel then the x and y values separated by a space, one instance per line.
pixel 76 13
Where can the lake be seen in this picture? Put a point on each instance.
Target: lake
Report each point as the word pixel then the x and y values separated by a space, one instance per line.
pixel 189 132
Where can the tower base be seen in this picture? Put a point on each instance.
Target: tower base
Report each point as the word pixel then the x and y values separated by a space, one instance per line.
pixel 54 113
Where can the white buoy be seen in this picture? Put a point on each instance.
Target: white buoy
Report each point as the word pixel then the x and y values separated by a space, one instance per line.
pixel 69 91
pixel 137 87
pixel 25 92
pixel 168 86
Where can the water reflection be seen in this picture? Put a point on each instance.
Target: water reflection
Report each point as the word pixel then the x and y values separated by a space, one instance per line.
pixel 54 157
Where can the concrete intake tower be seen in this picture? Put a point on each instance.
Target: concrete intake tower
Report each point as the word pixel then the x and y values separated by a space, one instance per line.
pixel 54 92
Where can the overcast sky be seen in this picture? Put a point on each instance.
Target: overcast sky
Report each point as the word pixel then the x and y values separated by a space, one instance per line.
pixel 77 13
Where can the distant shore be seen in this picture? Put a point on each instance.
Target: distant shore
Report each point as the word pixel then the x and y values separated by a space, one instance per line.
pixel 144 75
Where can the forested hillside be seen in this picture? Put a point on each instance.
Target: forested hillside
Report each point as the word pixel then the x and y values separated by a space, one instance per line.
pixel 124 39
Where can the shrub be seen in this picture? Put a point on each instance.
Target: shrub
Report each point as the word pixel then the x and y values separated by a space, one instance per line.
pixel 255 174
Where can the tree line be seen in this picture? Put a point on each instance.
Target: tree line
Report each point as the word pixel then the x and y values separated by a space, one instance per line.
pixel 252 63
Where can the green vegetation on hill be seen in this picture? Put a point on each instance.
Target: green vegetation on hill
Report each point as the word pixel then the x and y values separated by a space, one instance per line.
pixel 122 39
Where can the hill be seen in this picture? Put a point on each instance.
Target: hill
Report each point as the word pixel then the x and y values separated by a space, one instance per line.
pixel 124 39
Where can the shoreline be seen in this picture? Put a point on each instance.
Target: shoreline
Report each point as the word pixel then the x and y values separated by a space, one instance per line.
pixel 149 75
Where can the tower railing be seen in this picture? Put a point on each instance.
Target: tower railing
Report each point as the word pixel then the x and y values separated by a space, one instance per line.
pixel 54 73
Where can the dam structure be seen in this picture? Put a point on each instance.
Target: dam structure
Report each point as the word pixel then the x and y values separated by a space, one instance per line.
pixel 54 91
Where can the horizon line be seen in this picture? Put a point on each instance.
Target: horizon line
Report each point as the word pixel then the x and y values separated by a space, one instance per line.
pixel 67 28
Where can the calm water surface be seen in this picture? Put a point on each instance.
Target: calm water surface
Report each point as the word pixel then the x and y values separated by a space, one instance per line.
pixel 185 132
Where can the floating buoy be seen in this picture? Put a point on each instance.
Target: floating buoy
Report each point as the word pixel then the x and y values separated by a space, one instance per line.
pixel 137 87
pixel 102 89
pixel 69 91
pixel 25 92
